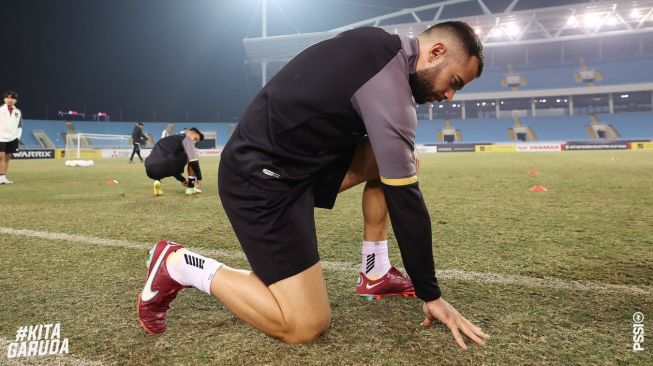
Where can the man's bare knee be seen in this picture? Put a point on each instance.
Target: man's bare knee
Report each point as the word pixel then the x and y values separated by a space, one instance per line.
pixel 304 305
pixel 307 330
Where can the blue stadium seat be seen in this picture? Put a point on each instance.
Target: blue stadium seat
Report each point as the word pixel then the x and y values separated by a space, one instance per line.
pixel 636 125
pixel 635 70
pixel 558 128
pixel 57 129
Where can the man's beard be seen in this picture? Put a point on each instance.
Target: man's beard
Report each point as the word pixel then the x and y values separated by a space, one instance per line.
pixel 421 83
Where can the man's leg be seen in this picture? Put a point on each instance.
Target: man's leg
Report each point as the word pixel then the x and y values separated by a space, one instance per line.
pixel 3 167
pixel 131 158
pixel 294 310
pixel 7 158
pixel 377 276
pixel 138 152
pixel 375 262
pixel 3 162
pixel 291 305
pixel 191 176
pixel 192 180
pixel 375 212
pixel 154 172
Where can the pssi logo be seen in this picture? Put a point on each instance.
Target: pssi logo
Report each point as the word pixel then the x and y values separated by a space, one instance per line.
pixel 638 332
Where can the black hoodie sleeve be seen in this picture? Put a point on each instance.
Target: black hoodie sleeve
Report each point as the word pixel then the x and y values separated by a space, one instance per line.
pixel 412 227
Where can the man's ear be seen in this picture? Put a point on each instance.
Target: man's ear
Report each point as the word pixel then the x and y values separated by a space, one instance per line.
pixel 437 50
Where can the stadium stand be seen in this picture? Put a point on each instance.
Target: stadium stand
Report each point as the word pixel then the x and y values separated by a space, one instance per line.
pixel 634 125
pixel 614 72
pixel 43 139
pixel 630 126
pixel 29 139
pixel 520 132
pixel 559 128
pixel 56 130
pixel 626 71
pixel 564 75
pixel 483 129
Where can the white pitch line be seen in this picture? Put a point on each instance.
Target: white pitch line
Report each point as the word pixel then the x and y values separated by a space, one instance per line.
pixel 111 242
pixel 55 360
pixel 546 282
pixel 450 274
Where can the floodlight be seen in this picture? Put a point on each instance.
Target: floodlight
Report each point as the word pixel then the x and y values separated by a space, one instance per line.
pixel 497 32
pixel 636 14
pixel 592 20
pixel 512 29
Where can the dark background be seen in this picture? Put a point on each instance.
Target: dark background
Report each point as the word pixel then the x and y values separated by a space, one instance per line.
pixel 164 60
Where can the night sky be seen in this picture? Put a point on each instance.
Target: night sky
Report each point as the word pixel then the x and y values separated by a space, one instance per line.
pixel 135 58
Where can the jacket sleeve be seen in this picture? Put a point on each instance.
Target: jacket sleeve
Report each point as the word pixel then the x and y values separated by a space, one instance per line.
pixel 143 136
pixel 412 226
pixel 19 132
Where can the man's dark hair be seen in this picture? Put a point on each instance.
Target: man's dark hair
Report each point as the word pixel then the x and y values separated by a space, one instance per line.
pixel 465 34
pixel 10 93
pixel 139 124
pixel 198 132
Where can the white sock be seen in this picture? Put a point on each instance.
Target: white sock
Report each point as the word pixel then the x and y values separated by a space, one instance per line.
pixel 375 262
pixel 192 269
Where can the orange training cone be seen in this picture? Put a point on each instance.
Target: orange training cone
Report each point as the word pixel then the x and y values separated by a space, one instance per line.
pixel 537 188
pixel 532 172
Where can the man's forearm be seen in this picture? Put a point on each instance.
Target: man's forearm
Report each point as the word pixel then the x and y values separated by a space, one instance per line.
pixel 412 226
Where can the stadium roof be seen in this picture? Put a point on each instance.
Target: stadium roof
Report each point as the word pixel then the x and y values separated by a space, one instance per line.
pixel 519 23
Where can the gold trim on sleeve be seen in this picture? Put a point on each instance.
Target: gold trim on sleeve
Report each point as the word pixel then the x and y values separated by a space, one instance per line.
pixel 399 181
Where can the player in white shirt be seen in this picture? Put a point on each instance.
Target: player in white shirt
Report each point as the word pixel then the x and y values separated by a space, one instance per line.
pixel 167 131
pixel 10 132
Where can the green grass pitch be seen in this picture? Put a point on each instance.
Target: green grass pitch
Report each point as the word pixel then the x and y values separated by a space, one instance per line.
pixel 554 277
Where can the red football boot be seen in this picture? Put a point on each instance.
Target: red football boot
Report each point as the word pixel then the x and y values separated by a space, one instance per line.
pixel 160 289
pixel 393 283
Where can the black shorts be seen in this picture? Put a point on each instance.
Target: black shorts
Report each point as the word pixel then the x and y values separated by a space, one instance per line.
pixel 276 229
pixel 327 184
pixel 9 147
pixel 162 170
